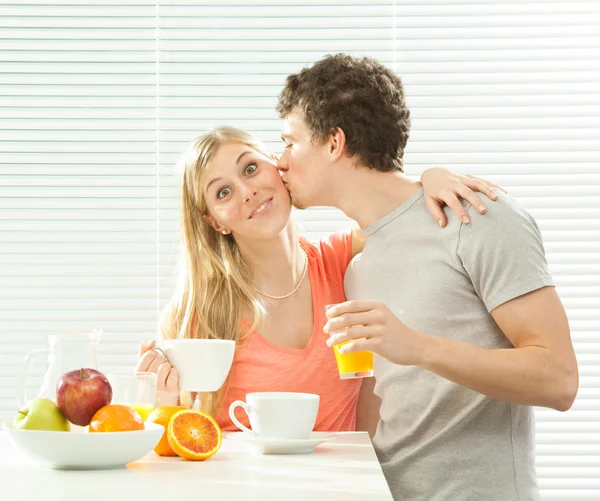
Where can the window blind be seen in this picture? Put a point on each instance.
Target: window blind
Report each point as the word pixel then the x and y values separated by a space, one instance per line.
pixel 78 197
pixel 98 99
pixel 510 91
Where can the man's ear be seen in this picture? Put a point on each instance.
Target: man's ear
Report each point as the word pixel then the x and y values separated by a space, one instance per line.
pixel 337 144
pixel 211 220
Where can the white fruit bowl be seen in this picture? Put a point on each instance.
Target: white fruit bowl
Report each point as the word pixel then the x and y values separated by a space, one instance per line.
pixel 78 450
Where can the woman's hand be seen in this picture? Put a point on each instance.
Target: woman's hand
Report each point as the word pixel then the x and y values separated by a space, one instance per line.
pixel 443 187
pixel 167 377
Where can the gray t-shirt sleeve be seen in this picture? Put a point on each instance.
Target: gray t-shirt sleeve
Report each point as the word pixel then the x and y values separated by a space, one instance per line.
pixel 502 252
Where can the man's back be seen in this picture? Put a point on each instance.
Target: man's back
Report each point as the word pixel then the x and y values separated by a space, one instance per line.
pixel 437 440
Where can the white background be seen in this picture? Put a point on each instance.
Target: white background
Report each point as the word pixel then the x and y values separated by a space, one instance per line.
pixel 97 99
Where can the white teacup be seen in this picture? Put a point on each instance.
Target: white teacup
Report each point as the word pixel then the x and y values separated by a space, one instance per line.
pixel 278 414
pixel 202 364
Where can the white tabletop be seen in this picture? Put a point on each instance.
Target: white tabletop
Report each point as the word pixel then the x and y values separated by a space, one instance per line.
pixel 342 469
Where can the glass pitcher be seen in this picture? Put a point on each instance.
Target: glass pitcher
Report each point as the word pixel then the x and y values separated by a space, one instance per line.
pixel 63 353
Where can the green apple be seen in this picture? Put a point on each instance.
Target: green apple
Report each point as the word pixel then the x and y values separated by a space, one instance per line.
pixel 41 414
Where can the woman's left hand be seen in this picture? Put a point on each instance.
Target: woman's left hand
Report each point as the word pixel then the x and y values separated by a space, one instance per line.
pixel 443 187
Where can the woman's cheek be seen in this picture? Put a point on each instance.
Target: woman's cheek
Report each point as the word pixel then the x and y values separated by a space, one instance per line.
pixel 224 214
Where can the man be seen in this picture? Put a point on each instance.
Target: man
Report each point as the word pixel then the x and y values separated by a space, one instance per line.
pixel 466 323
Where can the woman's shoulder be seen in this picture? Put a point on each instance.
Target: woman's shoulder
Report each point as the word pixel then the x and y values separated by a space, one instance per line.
pixel 338 243
pixel 333 252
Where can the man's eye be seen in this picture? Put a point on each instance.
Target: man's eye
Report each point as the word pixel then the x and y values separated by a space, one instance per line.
pixel 223 193
pixel 287 146
pixel 250 168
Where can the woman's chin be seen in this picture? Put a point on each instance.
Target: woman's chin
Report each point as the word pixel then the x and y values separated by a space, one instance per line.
pixel 270 230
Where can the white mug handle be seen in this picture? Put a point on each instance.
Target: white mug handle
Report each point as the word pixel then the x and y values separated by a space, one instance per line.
pixel 243 405
pixel 157 349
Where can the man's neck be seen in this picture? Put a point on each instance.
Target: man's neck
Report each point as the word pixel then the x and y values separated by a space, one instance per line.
pixel 366 195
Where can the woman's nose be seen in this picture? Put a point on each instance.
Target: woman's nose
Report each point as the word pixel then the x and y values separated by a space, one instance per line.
pixel 249 193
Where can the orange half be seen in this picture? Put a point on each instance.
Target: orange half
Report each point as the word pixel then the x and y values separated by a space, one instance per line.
pixel 194 435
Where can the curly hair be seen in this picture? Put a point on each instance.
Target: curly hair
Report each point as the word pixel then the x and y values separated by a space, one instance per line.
pixel 362 97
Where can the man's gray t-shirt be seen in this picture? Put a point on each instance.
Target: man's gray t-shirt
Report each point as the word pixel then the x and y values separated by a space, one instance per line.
pixel 438 441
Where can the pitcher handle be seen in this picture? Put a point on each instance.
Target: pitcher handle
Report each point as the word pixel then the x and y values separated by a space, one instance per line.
pixel 22 384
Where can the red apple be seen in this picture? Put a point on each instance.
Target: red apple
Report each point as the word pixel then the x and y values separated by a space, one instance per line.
pixel 80 393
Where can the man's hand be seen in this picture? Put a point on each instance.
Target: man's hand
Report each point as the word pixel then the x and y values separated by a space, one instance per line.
pixel 370 325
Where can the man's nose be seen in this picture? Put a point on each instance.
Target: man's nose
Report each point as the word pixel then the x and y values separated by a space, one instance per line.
pixel 282 164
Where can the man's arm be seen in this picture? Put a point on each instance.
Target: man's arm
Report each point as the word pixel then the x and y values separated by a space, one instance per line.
pixel 541 369
pixel 367 410
pixel 503 255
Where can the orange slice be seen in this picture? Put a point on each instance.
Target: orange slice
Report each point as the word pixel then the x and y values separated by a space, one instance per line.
pixel 162 415
pixel 194 435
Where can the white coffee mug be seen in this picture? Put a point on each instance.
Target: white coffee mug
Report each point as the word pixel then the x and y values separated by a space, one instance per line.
pixel 202 364
pixel 280 415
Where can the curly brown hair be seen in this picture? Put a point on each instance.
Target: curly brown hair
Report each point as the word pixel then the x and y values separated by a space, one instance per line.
pixel 359 95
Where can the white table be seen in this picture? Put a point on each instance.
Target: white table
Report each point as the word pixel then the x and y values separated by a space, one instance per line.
pixel 342 469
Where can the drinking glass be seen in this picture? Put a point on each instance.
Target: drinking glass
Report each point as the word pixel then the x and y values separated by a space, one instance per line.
pixel 352 365
pixel 134 390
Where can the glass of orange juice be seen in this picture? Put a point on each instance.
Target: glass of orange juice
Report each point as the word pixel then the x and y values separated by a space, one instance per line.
pixel 137 391
pixel 352 365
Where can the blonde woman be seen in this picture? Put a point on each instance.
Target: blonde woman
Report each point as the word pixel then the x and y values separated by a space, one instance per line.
pixel 247 275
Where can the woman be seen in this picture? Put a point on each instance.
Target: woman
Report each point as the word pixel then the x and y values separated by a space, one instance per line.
pixel 246 275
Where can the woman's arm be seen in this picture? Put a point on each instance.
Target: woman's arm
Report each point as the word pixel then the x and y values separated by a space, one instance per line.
pixel 443 187
pixel 358 240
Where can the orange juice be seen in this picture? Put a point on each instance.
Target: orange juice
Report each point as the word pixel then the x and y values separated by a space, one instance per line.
pixel 354 365
pixel 143 410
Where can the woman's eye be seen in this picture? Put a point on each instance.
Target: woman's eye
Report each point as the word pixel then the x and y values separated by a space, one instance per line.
pixel 223 193
pixel 250 168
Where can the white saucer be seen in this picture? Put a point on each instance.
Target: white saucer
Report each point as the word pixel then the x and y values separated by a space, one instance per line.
pixel 282 446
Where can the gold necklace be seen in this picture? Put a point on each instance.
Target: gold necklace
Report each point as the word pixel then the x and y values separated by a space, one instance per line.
pixel 295 288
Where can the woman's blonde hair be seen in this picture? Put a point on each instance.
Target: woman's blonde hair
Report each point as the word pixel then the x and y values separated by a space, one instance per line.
pixel 213 290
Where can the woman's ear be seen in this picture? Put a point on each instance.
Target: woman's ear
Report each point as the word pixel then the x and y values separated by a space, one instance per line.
pixel 211 220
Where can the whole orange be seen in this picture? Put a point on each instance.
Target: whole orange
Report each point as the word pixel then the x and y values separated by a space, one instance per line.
pixel 116 418
pixel 162 415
